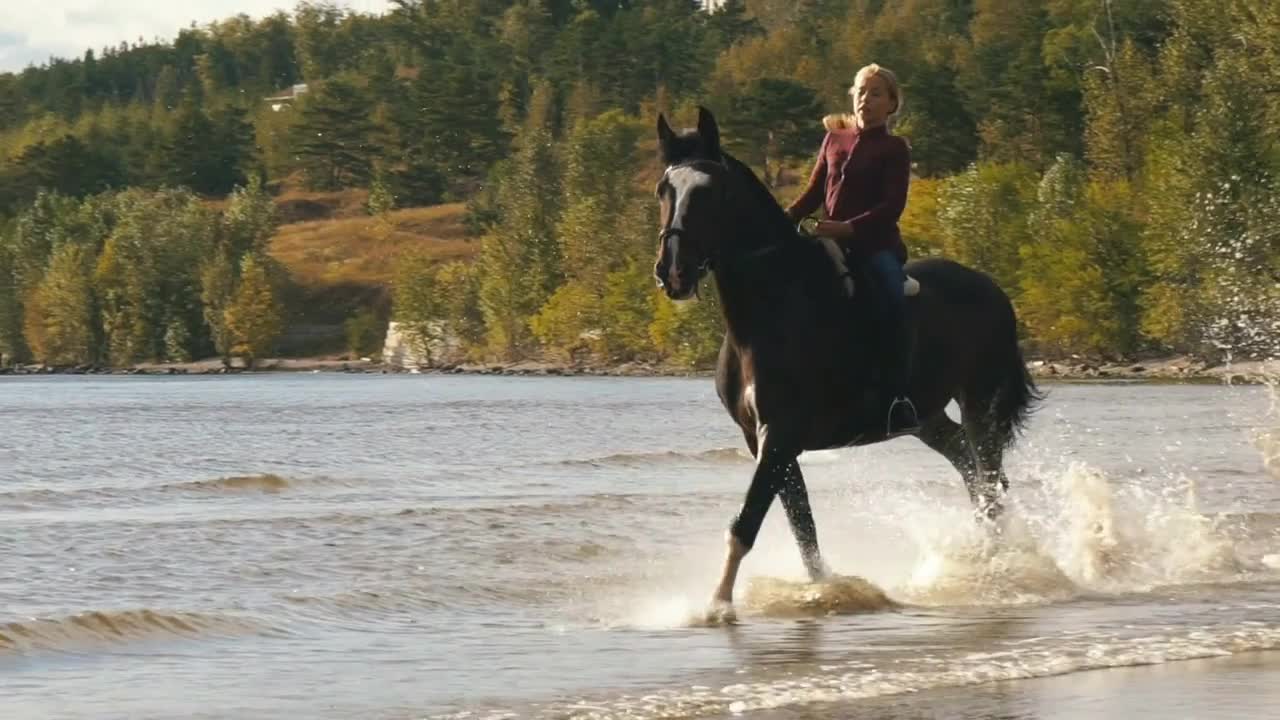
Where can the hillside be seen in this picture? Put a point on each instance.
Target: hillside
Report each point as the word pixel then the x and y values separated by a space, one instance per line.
pixel 341 260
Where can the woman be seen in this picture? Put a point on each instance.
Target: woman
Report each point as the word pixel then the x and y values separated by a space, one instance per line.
pixel 860 179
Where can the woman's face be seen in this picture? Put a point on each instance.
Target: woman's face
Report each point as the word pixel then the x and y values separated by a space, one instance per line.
pixel 872 103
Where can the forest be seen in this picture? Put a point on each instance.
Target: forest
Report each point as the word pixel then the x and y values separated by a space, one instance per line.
pixel 1111 163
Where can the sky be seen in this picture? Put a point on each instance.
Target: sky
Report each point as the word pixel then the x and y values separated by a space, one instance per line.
pixel 33 30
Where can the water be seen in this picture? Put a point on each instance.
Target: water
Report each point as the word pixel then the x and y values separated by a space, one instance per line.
pixel 334 546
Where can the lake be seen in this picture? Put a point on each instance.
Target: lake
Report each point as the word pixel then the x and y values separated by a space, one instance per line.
pixel 424 546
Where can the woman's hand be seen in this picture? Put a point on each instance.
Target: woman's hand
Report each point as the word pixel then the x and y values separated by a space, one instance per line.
pixel 834 230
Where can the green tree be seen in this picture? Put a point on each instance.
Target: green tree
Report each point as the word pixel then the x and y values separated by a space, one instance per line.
pixel 13 346
pixel 445 138
pixel 772 119
pixel 148 274
pixel 365 333
pixel 61 318
pixel 521 257
pixel 254 318
pixel 1022 114
pixel 320 46
pixel 569 321
pixel 381 200
pixel 1081 270
pixel 332 137
pixel 65 166
pixel 731 22
pixel 627 306
pixel 458 284
pixel 601 163
pixel 217 291
pixel 1211 237
pixel 688 333
pixel 418 305
pixel 249 221
pixel 984 213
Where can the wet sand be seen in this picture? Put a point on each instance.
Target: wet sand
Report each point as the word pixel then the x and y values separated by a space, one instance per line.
pixel 1240 686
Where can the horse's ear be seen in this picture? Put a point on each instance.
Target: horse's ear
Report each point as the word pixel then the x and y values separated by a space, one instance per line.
pixel 666 137
pixel 709 132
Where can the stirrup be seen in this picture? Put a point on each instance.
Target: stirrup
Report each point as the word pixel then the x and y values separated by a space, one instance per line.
pixel 888 420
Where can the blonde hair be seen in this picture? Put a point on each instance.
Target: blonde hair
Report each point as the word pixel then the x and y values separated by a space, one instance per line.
pixel 839 121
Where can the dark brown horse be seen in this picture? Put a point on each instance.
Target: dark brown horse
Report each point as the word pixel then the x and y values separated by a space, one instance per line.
pixel 799 365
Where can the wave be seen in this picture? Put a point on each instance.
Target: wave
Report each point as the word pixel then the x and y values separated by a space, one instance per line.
pixel 264 483
pixel 864 679
pixel 112 627
pixel 267 482
pixel 393 602
pixel 717 456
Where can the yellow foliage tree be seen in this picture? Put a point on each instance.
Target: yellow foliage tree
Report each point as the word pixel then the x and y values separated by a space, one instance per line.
pixel 254 317
pixel 60 312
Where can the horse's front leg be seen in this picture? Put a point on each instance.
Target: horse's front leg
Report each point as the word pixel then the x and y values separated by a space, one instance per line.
pixel 795 500
pixel 771 468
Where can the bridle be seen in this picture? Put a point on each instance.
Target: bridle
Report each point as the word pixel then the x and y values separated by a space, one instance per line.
pixel 666 234
pixel 806 228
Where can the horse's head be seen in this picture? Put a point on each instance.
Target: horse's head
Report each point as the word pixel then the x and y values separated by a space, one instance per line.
pixel 691 194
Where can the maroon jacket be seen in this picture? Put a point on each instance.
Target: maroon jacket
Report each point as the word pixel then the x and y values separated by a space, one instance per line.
pixel 865 175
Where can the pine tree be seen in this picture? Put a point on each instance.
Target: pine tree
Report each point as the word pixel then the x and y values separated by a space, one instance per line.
pixel 332 136
pixel 731 23
pixel 456 140
pixel 773 119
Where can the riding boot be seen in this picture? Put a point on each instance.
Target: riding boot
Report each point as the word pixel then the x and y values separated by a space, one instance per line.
pixel 902 419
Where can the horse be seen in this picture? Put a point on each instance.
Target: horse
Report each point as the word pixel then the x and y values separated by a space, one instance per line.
pixel 797 366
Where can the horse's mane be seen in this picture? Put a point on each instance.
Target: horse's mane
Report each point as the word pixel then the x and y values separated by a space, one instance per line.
pixel 773 220
pixel 773 228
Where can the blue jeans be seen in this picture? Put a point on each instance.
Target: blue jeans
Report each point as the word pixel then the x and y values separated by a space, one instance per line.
pixel 894 300
pixel 892 277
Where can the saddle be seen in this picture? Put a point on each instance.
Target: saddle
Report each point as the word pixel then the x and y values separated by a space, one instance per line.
pixel 910 287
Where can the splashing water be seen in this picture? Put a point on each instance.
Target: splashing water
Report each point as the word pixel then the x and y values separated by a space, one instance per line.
pixel 1069 532
pixel 1089 532
pixel 1269 443
pixel 1267 438
pixel 836 595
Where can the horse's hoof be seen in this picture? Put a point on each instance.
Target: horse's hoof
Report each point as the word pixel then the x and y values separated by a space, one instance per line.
pixel 819 573
pixel 721 613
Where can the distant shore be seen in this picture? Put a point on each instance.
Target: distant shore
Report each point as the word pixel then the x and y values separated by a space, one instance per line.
pixel 1167 369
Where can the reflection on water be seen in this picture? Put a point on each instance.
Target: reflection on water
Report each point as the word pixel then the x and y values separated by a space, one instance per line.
pixel 408 547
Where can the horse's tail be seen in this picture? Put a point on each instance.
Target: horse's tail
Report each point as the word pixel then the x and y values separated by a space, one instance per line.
pixel 1016 394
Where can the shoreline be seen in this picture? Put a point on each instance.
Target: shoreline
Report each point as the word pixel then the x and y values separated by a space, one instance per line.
pixel 1240 685
pixel 1172 369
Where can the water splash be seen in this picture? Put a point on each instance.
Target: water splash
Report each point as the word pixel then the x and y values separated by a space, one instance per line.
pixel 1267 437
pixel 1086 532
pixel 836 595
pixel 973 564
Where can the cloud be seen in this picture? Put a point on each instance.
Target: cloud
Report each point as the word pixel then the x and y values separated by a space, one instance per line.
pixel 31 31
pixel 16 52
